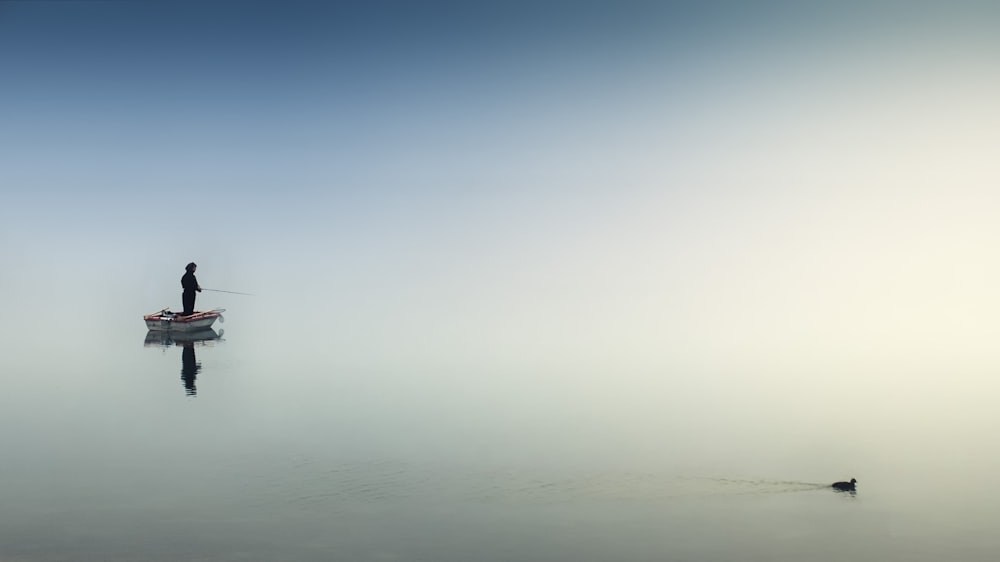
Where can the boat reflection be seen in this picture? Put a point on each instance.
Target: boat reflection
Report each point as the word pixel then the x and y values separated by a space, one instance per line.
pixel 188 341
pixel 156 338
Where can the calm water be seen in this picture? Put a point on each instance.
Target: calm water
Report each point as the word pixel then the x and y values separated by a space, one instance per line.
pixel 280 444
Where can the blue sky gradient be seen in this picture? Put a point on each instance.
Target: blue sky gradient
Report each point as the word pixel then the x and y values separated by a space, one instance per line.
pixel 620 174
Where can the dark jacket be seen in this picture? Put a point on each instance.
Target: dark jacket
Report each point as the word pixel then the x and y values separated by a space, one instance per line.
pixel 190 282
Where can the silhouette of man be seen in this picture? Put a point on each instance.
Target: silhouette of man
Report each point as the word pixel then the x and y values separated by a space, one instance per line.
pixel 190 284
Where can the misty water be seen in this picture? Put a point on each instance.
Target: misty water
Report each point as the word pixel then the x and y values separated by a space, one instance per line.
pixel 284 436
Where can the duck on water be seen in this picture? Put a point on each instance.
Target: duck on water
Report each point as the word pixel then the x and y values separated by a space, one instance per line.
pixel 844 486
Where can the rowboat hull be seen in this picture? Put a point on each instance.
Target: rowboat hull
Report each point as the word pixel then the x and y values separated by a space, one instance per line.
pixel 165 321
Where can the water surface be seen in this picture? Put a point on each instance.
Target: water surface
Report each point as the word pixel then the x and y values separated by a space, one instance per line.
pixel 258 444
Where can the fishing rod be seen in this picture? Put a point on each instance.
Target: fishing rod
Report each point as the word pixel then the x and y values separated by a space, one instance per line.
pixel 230 292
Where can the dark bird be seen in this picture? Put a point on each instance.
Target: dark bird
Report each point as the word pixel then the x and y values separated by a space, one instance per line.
pixel 845 486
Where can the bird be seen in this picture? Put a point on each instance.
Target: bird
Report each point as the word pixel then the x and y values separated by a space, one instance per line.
pixel 844 486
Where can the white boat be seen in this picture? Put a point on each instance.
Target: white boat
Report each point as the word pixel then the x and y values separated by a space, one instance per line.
pixel 164 320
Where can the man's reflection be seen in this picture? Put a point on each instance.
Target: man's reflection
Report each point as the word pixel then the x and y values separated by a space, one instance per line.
pixel 189 369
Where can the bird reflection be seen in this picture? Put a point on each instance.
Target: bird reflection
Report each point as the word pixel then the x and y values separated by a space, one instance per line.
pixel 189 369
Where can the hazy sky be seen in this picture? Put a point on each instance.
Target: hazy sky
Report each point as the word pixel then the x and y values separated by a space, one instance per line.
pixel 644 184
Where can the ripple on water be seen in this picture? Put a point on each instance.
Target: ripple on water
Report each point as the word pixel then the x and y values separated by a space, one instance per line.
pixel 313 484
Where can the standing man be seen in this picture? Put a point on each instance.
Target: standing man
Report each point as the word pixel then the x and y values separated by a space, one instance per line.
pixel 190 284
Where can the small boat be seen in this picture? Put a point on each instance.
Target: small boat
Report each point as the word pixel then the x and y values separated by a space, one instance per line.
pixel 164 320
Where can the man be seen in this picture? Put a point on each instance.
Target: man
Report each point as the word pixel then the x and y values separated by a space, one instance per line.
pixel 190 284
